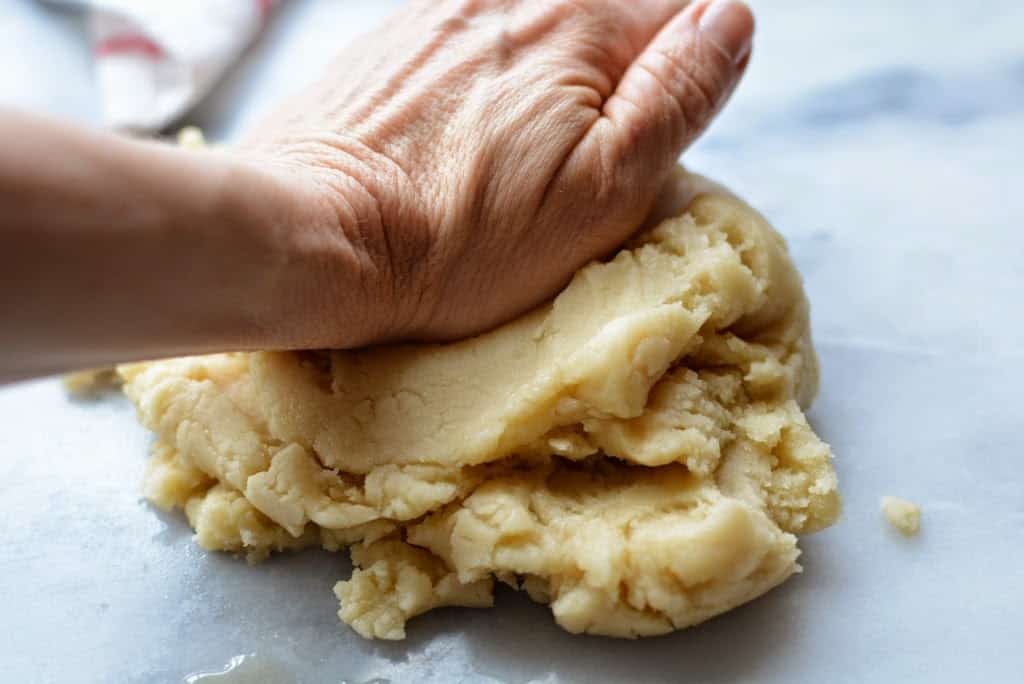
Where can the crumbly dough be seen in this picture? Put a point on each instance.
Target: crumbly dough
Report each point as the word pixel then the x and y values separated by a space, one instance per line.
pixel 903 515
pixel 192 138
pixel 633 453
pixel 86 383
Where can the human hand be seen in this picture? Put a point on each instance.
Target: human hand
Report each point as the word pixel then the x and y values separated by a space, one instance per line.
pixel 464 159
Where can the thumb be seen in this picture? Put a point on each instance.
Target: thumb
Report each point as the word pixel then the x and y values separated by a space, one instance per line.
pixel 675 87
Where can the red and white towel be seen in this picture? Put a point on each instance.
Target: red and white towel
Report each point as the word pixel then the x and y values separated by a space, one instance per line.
pixel 155 59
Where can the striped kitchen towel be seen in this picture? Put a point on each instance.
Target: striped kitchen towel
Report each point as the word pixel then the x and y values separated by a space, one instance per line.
pixel 155 59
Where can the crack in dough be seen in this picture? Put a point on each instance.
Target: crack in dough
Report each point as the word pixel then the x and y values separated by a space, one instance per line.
pixel 633 453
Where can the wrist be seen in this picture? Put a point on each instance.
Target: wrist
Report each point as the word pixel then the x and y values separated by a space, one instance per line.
pixel 328 283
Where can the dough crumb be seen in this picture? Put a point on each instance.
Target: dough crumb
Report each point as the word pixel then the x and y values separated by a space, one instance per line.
pixel 191 138
pixel 903 515
pixel 89 383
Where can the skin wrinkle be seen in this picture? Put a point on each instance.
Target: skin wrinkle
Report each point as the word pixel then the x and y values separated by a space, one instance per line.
pixel 700 91
pixel 363 225
pixel 603 68
pixel 554 185
pixel 390 262
pixel 504 47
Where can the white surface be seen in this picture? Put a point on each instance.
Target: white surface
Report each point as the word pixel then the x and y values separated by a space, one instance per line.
pixel 887 145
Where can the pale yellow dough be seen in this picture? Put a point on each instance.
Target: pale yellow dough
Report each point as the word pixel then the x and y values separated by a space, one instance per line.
pixel 903 515
pixel 89 382
pixel 633 453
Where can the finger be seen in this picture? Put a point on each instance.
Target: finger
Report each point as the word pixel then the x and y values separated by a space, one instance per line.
pixel 676 86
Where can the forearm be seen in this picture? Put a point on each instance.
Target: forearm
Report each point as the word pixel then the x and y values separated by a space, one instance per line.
pixel 114 250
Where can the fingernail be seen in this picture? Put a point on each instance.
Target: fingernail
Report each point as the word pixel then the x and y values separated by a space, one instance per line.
pixel 729 25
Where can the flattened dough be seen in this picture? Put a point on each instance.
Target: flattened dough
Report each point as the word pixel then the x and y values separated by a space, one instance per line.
pixel 633 453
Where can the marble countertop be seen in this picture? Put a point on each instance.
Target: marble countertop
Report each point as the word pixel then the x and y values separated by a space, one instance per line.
pixel 885 140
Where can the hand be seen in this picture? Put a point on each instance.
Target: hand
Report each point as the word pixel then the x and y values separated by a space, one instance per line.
pixel 468 156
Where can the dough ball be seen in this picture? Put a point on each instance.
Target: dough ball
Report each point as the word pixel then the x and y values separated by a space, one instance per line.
pixel 633 453
pixel 903 515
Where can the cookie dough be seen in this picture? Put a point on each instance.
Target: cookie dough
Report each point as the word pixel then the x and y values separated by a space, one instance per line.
pixel 903 515
pixel 87 383
pixel 633 453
